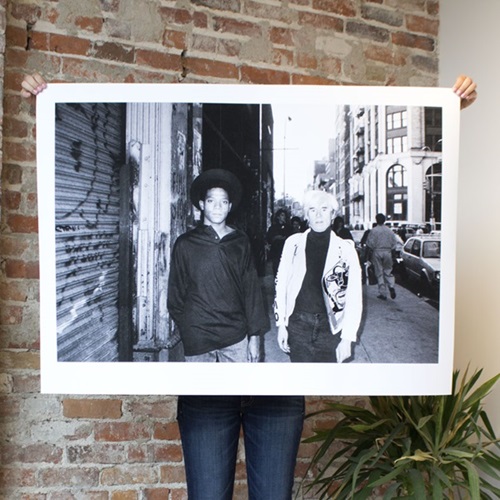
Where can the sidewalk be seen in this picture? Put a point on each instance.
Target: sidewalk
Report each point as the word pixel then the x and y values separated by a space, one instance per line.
pixel 404 330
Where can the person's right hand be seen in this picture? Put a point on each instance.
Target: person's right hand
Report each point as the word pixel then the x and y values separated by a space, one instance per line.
pixel 283 339
pixel 33 85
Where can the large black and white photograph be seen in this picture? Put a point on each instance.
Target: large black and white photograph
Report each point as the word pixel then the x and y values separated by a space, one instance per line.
pixel 220 239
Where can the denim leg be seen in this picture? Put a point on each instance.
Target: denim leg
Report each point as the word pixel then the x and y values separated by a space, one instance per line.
pixel 210 428
pixel 310 339
pixel 272 427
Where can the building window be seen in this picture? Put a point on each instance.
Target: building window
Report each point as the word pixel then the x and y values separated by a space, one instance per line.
pixel 397 144
pixel 397 193
pixel 397 120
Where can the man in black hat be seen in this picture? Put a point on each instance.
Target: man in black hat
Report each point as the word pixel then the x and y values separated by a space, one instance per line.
pixel 214 295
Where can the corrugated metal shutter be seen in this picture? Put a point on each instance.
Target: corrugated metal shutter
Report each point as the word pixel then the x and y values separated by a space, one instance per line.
pixel 89 155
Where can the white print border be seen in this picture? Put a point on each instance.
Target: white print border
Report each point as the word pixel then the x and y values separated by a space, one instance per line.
pixel 229 378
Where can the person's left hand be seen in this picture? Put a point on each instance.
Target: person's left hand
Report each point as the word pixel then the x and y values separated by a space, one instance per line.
pixel 254 349
pixel 465 88
pixel 344 350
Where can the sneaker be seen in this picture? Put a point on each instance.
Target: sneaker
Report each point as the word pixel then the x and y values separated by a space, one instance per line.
pixel 392 291
pixel 381 297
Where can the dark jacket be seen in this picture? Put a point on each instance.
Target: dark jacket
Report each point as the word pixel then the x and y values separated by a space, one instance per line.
pixel 214 295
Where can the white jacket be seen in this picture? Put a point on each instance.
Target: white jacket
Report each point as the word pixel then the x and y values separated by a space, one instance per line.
pixel 341 283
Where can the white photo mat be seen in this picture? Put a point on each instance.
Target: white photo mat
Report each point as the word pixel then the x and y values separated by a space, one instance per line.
pixel 239 378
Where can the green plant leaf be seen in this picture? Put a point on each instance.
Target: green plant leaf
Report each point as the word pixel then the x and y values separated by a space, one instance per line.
pixel 418 483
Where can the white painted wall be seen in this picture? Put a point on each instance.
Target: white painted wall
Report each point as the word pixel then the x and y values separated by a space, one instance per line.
pixel 470 44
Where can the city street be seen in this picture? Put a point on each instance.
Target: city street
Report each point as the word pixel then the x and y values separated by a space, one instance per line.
pixel 404 330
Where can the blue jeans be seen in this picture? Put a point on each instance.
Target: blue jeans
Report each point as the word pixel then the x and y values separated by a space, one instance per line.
pixel 210 429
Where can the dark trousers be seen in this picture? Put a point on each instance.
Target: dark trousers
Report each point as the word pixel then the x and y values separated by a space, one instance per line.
pixel 210 430
pixel 310 338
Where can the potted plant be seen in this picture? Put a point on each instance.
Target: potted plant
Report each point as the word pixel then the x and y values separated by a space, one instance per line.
pixel 410 447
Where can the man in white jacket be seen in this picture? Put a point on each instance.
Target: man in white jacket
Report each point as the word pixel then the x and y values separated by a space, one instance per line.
pixel 318 302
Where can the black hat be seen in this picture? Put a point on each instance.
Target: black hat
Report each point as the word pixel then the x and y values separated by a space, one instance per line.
pixel 216 178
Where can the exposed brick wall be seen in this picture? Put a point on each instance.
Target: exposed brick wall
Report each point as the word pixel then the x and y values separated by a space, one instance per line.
pixel 127 448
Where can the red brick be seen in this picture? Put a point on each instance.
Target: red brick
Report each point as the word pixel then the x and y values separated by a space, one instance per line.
pixel 69 44
pixel 92 408
pixel 413 41
pixel 78 477
pixel 128 475
pixel 39 41
pixel 93 24
pixel 96 453
pixel 250 74
pixel 17 477
pixel 168 431
pixel 433 7
pixel 27 384
pixel 306 60
pixel 114 52
pixel 367 31
pixel 159 60
pixel 172 474
pixel 16 37
pixel 156 493
pixel 12 174
pixel 321 22
pixel 14 245
pixel 13 290
pixel 209 67
pixel 9 407
pixel 21 269
pixel 22 223
pixel 33 453
pixel 15 128
pixel 384 54
pixel 176 16
pixel 330 66
pixel 16 151
pixel 20 360
pixel 178 494
pixel 125 495
pixel 11 315
pixel 281 36
pixel 11 200
pixel 312 80
pixel 139 453
pixel 163 408
pixel 242 28
pixel 176 39
pixel 345 8
pixel 200 20
pixel 269 12
pixel 420 24
pixel 121 431
pixel 167 453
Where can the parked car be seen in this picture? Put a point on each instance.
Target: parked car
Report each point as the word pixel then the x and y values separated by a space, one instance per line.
pixel 422 262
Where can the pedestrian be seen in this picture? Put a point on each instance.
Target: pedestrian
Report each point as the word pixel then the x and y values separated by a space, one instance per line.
pixel 277 233
pixel 381 243
pixel 214 294
pixel 340 230
pixel 272 425
pixel 297 225
pixel 318 288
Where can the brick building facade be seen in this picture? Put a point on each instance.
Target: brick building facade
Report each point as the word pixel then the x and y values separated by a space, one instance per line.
pixel 128 448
